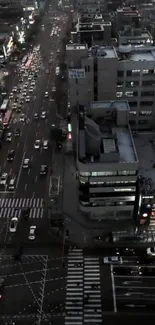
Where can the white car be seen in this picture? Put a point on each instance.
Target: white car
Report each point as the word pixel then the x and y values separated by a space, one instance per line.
pixel 151 251
pixel 113 260
pixel 43 115
pixel 14 90
pixel 22 118
pixel 3 179
pixel 27 99
pixel 31 90
pixel 46 94
pixel 45 144
pixel 11 95
pixel 14 106
pixel 26 163
pixel 13 224
pixel 9 137
pixel 37 144
pixel 53 89
pixel 32 232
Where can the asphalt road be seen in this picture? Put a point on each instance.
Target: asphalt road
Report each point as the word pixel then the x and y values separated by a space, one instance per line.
pixel 30 184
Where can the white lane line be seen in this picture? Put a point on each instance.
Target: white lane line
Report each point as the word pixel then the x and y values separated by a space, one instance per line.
pixel 33 195
pixel 113 289
pixel 25 188
pixel 36 178
pixel 20 169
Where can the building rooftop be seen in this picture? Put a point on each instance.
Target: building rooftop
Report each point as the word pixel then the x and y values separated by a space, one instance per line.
pixel 134 32
pixel 102 138
pixel 107 52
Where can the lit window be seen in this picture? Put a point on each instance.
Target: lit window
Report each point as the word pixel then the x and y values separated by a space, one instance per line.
pixel 145 113
pixel 135 71
pixel 129 93
pixel 132 112
pixel 119 94
pixel 146 71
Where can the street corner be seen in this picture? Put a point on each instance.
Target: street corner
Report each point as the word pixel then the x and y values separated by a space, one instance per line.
pixel 24 281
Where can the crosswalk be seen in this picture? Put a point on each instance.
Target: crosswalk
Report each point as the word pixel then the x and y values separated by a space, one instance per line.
pixel 83 292
pixel 12 207
pixel 21 203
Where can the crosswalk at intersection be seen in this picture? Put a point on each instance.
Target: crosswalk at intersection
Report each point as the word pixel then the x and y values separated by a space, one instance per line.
pixel 12 207
pixel 83 292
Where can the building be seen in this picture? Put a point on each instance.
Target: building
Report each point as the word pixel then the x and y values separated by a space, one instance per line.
pixel 107 162
pixel 127 16
pixel 116 182
pixel 91 29
pixel 107 73
pixel 135 36
pixel 10 8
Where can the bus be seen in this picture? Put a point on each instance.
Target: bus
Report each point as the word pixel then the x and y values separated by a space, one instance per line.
pixel 4 105
pixel 28 63
pixel 7 118
pixel 24 59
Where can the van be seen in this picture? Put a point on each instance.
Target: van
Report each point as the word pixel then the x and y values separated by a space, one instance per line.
pixel 11 185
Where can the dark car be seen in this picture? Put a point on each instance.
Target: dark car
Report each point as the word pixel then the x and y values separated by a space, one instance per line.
pixel 26 212
pixel 43 170
pixel 11 155
pixel 17 132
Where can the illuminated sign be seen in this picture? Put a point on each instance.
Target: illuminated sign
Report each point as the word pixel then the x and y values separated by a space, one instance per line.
pixel 76 73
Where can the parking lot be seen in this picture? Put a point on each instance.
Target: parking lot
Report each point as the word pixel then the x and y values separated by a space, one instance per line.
pixel 34 289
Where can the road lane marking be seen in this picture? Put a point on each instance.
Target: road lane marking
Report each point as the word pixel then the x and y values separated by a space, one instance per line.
pixel 25 188
pixel 135 287
pixel 113 288
pixel 20 169
pixel 36 178
pixel 17 144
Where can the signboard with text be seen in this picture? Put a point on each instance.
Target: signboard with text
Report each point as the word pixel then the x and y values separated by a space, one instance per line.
pixel 76 73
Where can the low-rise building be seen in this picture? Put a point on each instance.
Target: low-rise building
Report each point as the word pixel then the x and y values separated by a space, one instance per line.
pixel 91 30
pixel 135 36
pixel 107 162
pixel 107 73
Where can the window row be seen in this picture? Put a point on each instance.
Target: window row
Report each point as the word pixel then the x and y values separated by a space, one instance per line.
pixel 104 203
pixel 142 103
pixel 135 94
pixel 141 113
pixel 109 173
pixel 136 83
pixel 135 72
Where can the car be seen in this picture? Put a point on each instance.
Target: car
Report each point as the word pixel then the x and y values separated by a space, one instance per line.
pixel 14 90
pixel 11 155
pixel 13 224
pixel 113 260
pixel 30 78
pixel 9 137
pixel 124 251
pixel 46 94
pixel 3 179
pixel 37 144
pixel 47 71
pixel 17 132
pixel 32 83
pixel 18 110
pixel 32 232
pixel 24 93
pixel 58 51
pixel 43 115
pixel 26 212
pixel 43 170
pixel 27 99
pixel 22 118
pixel 35 116
pixel 26 163
pixel 31 90
pixel 151 251
pixel 53 89
pixel 14 106
pixel 11 185
pixel 45 144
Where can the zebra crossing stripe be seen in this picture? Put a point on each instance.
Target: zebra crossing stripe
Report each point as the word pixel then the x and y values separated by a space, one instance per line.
pixel 21 203
pixel 83 292
pixel 35 213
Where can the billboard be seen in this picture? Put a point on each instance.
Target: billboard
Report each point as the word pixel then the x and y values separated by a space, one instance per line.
pixel 76 73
